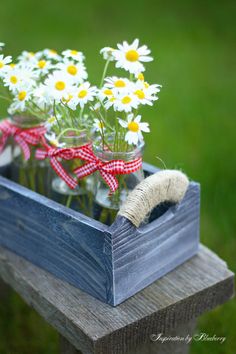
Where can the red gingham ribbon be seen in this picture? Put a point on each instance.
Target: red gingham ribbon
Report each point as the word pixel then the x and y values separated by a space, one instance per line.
pixel 108 170
pixel 64 153
pixel 24 137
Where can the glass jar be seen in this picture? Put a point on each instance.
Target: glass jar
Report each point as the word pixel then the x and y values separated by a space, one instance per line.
pixel 31 173
pixel 109 203
pixel 80 198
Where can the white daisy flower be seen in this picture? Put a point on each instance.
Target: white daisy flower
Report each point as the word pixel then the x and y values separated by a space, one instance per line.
pixel 96 107
pixel 58 85
pixel 51 121
pixel 146 93
pixel 74 54
pixel 82 95
pixel 26 56
pixel 13 79
pixel 43 66
pixel 42 97
pixel 51 54
pixel 125 102
pixel 130 56
pixel 139 76
pixel 4 64
pixel 2 45
pixel 76 71
pixel 117 83
pixel 20 100
pixel 105 93
pixel 107 53
pixel 98 125
pixel 52 139
pixel 135 128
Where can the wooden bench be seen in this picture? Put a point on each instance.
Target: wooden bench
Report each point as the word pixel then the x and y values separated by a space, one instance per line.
pixel 170 306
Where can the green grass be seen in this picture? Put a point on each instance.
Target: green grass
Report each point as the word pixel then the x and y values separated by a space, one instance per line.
pixel 193 124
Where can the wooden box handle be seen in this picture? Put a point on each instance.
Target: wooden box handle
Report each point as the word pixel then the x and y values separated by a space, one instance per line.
pixel 162 186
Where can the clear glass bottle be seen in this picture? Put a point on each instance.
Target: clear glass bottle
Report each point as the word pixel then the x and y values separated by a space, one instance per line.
pixel 32 173
pixel 110 203
pixel 80 198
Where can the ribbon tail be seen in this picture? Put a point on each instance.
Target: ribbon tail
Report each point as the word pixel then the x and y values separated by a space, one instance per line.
pixel 110 180
pixel 40 154
pixel 63 174
pixel 24 147
pixel 85 170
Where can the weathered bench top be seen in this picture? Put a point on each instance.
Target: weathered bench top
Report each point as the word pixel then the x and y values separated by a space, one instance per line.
pixel 198 285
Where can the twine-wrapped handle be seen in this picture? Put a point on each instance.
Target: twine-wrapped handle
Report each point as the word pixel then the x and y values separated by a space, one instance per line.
pixel 163 186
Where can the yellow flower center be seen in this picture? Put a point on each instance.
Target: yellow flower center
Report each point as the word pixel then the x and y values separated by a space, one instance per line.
pixel 41 64
pixel 54 143
pixel 126 100
pixel 141 77
pixel 101 125
pixel 119 83
pixel 60 85
pixel 22 95
pixel 74 52
pixel 12 65
pixel 107 92
pixel 82 93
pixel 72 70
pixel 132 55
pixel 133 126
pixel 146 85
pixel 52 51
pixel 112 99
pixel 13 79
pixel 31 54
pixel 140 94
pixel 1 64
pixel 51 120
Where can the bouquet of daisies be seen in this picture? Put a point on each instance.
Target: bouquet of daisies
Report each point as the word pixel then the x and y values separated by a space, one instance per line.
pixel 85 131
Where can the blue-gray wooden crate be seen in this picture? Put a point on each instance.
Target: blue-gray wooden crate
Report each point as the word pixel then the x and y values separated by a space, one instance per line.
pixel 110 263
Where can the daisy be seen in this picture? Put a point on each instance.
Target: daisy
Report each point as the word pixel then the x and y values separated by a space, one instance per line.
pixel 81 95
pixel 51 121
pixel 98 125
pixel 74 54
pixel 135 128
pixel 42 97
pixel 52 139
pixel 26 56
pixel 3 63
pixel 146 93
pixel 13 79
pixel 105 93
pixel 76 71
pixel 117 83
pixel 125 102
pixel 107 53
pixel 20 100
pixel 130 56
pixel 58 85
pixel 43 66
pixel 51 54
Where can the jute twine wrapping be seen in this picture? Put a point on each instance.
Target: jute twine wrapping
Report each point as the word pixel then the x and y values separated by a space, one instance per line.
pixel 167 185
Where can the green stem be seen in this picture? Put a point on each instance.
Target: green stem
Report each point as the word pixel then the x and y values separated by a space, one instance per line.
pixel 104 72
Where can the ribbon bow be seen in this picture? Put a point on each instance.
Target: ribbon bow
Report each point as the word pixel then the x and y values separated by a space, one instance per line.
pixel 23 137
pixel 64 153
pixel 108 170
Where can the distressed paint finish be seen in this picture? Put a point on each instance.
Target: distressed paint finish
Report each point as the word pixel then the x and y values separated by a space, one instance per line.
pixel 110 263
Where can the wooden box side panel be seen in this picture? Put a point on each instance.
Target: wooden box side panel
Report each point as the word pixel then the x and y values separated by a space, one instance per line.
pixel 66 246
pixel 140 256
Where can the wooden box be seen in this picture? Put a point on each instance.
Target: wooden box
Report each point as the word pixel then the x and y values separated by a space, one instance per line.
pixel 111 263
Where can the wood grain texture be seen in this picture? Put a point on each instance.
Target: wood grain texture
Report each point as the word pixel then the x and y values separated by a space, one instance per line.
pixel 110 263
pixel 198 285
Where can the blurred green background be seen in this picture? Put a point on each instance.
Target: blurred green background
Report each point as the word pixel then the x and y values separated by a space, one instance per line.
pixel 193 123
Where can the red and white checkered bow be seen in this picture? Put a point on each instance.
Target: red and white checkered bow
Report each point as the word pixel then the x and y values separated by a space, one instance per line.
pixel 108 170
pixel 61 153
pixel 23 137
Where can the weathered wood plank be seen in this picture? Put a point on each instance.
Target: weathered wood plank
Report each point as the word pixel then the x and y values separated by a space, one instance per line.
pixel 198 285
